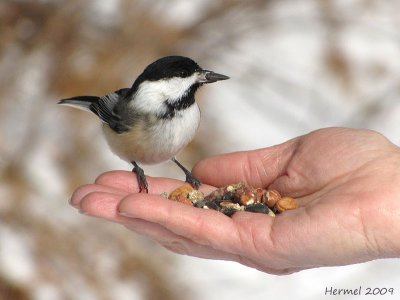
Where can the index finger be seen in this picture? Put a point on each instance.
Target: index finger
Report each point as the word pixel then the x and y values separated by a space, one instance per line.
pixel 127 182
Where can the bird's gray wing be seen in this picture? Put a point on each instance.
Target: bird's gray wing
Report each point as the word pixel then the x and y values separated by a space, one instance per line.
pixel 104 108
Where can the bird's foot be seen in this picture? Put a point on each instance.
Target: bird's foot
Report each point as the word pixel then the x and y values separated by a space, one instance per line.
pixel 193 181
pixel 141 178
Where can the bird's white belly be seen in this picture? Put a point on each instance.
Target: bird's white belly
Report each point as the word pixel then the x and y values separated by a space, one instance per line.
pixel 155 141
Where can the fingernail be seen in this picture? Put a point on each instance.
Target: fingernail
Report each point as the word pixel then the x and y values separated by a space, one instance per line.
pixel 82 212
pixel 71 203
pixel 124 214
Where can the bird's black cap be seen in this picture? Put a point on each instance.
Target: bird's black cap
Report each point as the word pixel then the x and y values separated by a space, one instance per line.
pixel 170 66
pixel 175 66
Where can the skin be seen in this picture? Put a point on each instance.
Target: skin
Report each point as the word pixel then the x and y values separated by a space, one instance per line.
pixel 347 182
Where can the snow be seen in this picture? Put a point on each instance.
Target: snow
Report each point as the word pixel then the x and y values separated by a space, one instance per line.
pixel 15 256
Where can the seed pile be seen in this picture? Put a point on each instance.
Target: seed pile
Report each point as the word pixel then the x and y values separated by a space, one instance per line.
pixel 235 197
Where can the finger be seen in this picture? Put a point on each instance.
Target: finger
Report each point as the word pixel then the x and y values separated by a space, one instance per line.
pixel 102 205
pixel 174 242
pixel 201 226
pixel 84 190
pixel 126 181
pixel 258 167
pixel 204 227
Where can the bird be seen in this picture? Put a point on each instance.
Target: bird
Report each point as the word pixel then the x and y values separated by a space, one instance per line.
pixel 154 119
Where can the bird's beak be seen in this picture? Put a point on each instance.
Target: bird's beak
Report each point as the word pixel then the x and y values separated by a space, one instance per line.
pixel 209 76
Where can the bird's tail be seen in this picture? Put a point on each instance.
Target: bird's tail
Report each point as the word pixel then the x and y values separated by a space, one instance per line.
pixel 81 102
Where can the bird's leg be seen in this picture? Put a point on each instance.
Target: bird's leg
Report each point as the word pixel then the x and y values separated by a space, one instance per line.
pixel 194 182
pixel 141 178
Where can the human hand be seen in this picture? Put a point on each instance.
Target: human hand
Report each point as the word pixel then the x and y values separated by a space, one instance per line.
pixel 346 182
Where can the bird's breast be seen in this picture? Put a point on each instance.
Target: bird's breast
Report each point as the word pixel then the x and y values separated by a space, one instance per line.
pixel 153 140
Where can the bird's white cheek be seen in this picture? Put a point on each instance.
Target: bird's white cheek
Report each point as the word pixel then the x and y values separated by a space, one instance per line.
pixel 151 95
pixel 176 88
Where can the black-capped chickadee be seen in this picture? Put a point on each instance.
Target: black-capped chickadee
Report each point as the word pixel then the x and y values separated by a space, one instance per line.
pixel 154 119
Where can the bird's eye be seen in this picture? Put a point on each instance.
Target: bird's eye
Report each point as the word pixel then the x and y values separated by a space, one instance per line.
pixel 183 74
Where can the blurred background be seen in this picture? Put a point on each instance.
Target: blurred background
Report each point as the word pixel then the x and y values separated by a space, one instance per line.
pixel 295 66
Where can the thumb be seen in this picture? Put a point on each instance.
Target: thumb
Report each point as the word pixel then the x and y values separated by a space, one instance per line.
pixel 258 168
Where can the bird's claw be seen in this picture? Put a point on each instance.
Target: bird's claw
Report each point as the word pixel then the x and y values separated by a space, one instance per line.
pixel 193 181
pixel 141 178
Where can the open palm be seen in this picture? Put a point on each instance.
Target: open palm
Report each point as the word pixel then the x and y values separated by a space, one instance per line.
pixel 346 181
